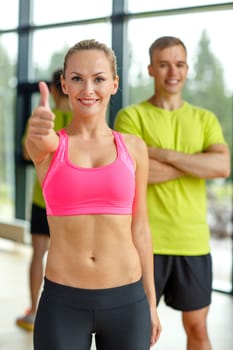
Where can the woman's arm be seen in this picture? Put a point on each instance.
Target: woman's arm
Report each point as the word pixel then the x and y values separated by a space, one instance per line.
pixel 140 229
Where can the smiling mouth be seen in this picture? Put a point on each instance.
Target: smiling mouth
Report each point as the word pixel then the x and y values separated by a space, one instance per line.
pixel 172 81
pixel 88 102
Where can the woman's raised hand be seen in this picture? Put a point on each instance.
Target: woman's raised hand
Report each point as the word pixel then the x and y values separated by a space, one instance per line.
pixel 41 138
pixel 41 121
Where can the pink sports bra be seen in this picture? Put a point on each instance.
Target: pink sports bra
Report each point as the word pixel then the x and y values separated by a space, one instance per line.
pixel 72 190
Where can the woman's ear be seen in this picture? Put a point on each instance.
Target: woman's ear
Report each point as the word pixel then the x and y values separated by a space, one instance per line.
pixel 115 85
pixel 63 85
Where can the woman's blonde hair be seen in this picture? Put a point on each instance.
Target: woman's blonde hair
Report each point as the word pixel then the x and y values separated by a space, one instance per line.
pixel 92 44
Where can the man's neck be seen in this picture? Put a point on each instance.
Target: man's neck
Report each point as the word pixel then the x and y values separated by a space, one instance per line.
pixel 169 103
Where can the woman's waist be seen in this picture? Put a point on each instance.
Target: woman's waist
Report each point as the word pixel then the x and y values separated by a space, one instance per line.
pixel 94 269
pixel 95 299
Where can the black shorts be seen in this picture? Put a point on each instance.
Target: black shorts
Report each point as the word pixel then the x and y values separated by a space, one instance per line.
pixel 67 317
pixel 39 223
pixel 185 281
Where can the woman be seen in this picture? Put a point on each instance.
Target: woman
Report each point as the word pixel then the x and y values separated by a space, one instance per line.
pixel 39 228
pixel 99 271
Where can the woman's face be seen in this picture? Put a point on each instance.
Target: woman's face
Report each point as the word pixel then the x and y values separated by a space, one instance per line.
pixel 89 81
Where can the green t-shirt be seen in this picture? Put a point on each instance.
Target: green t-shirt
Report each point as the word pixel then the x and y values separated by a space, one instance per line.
pixel 176 208
pixel 61 120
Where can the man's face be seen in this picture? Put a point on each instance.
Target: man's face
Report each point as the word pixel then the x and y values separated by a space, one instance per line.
pixel 169 69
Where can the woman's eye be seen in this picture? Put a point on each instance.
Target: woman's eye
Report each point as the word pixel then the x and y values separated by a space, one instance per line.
pixel 99 79
pixel 76 78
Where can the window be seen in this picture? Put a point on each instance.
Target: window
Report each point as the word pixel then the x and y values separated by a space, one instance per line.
pixel 49 46
pixel 8 53
pixel 9 14
pixel 135 6
pixel 54 11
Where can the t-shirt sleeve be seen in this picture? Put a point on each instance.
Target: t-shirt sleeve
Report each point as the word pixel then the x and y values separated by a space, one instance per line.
pixel 213 132
pixel 127 122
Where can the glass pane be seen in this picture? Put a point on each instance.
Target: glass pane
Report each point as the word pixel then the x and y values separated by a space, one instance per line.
pixel 54 11
pixel 152 5
pixel 8 52
pixel 9 14
pixel 50 45
pixel 220 219
pixel 209 46
pixel 182 26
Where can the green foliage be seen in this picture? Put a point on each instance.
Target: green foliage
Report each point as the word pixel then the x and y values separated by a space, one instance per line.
pixel 144 91
pixel 7 111
pixel 55 62
pixel 207 87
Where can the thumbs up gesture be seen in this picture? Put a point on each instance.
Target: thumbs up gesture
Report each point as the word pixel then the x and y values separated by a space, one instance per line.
pixel 41 121
pixel 41 138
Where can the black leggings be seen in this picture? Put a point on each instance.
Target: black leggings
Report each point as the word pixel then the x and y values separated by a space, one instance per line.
pixel 67 317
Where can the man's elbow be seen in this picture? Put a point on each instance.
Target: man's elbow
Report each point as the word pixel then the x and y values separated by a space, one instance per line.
pixel 224 168
pixel 224 171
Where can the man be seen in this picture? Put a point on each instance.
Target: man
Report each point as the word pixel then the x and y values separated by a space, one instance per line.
pixel 185 147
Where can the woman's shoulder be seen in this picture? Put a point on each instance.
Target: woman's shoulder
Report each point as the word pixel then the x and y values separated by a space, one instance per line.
pixel 134 143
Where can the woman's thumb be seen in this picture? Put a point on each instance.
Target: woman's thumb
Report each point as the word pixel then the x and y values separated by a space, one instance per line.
pixel 44 94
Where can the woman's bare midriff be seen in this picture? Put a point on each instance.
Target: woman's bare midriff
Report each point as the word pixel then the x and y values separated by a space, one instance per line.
pixel 99 253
